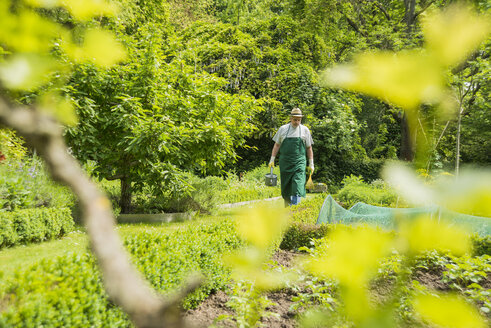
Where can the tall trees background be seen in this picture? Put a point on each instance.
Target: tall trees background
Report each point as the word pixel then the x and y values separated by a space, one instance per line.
pixel 206 83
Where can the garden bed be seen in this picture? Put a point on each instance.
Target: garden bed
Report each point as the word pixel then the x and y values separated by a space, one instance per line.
pixel 215 306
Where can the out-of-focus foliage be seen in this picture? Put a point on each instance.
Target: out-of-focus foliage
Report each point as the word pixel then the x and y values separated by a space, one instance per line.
pixel 11 147
pixel 469 194
pixel 447 311
pixel 36 51
pixel 261 228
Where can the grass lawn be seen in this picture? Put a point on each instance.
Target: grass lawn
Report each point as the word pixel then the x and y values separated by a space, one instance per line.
pixel 77 241
pixel 15 257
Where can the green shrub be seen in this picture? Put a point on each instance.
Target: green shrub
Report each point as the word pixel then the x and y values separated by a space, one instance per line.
pixel 308 209
pixel 303 228
pixel 68 292
pixel 377 193
pixel 206 193
pixel 481 245
pixel 26 184
pixel 34 225
pixel 301 234
pixel 165 259
pixel 63 292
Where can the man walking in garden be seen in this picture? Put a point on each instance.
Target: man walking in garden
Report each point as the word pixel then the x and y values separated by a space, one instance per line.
pixel 293 141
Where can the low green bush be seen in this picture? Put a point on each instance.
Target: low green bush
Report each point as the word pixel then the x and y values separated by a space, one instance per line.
pixel 206 193
pixel 68 291
pixel 308 209
pixel 303 228
pixel 34 225
pixel 481 245
pixel 301 234
pixel 26 184
pixel 377 193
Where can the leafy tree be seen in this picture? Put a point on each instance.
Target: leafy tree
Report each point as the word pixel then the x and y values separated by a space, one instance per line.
pixel 160 116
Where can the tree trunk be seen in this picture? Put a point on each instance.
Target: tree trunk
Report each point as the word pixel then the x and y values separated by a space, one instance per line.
pixel 409 15
pixel 407 146
pixel 125 201
pixel 457 146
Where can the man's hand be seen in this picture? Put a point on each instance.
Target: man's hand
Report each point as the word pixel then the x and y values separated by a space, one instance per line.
pixel 271 162
pixel 311 166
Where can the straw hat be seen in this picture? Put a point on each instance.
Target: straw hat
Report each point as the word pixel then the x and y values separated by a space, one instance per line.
pixel 296 112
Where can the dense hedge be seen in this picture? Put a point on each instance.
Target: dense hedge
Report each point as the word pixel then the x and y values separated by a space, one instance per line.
pixel 67 291
pixel 34 225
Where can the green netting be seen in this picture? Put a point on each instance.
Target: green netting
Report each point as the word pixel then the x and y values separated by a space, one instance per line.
pixel 385 217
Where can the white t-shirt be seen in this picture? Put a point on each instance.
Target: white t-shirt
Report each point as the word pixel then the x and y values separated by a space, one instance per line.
pixel 294 133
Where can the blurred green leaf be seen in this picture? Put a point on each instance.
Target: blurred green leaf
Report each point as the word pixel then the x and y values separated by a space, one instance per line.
pixel 99 47
pixel 448 311
pixel 451 35
pixel 26 71
pixel 426 233
pixel 86 9
pixel 351 257
pixel 405 79
pixel 26 31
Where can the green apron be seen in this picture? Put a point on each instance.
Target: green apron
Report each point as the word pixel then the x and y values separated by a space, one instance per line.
pixel 292 166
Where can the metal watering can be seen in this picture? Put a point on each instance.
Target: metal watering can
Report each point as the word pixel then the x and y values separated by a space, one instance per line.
pixel 271 179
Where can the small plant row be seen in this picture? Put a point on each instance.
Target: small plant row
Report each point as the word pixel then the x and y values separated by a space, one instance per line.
pixel 25 226
pixel 68 291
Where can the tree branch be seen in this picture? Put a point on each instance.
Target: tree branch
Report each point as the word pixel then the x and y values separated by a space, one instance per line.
pixel 466 63
pixel 423 9
pixel 123 283
pixel 352 23
pixel 381 8
pixel 354 26
pixel 116 177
